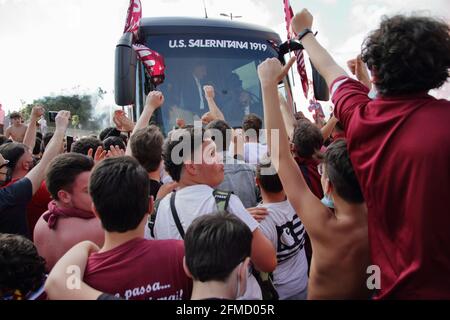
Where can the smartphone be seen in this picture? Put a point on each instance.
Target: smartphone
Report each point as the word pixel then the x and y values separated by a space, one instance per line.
pixel 52 116
pixel 69 141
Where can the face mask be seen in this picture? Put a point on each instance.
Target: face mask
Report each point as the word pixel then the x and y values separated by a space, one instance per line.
pixel 327 201
pixel 373 93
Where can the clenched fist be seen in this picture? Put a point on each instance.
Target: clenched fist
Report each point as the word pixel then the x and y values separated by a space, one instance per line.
pixel 154 99
pixel 301 21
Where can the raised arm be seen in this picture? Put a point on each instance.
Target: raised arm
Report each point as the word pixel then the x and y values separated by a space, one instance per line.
pixel 30 135
pixel 319 56
pixel 288 116
pixel 327 129
pixel 63 274
pixel 311 211
pixel 359 69
pixel 54 147
pixel 154 100
pixel 213 108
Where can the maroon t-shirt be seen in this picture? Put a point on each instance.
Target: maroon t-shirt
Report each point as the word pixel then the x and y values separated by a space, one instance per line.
pixel 308 167
pixel 141 270
pixel 400 150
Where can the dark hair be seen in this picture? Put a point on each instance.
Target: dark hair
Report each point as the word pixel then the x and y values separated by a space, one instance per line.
pixel 4 140
pixel 300 116
pixel 64 169
pixel 109 132
pixel 195 136
pixel 408 54
pixel 84 144
pixel 21 267
pixel 15 115
pixel 114 141
pixel 307 139
pixel 340 171
pixel 268 182
pixel 146 146
pixel 12 152
pixel 215 244
pixel 252 121
pixel 119 188
pixel 225 131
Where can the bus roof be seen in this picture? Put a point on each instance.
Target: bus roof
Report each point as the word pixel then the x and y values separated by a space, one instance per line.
pixel 191 25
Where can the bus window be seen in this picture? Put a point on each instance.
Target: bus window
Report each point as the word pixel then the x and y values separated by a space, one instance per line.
pixel 231 71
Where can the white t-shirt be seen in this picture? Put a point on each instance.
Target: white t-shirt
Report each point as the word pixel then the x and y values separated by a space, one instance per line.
pixel 286 232
pixel 253 152
pixel 192 202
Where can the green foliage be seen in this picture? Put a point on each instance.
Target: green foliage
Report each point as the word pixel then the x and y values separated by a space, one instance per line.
pixel 76 104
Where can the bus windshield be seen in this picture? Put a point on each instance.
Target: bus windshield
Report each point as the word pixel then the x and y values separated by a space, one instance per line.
pixel 193 61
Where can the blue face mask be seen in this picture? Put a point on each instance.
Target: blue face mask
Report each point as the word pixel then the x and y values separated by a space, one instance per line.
pixel 373 93
pixel 327 202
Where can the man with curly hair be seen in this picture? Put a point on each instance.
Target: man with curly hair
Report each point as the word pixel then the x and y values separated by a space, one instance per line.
pixel 400 148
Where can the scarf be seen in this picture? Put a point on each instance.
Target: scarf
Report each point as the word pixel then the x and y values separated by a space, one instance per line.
pixel 54 213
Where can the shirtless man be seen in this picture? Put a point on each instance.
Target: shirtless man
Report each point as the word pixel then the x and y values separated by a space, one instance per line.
pixel 17 129
pixel 340 238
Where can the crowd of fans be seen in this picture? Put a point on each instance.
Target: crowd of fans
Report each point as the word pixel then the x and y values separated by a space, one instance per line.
pixel 291 212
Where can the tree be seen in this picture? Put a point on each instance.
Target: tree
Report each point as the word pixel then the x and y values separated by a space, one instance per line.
pixel 79 105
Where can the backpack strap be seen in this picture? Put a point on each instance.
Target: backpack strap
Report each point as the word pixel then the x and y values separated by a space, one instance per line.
pixel 222 199
pixel 175 216
pixel 152 218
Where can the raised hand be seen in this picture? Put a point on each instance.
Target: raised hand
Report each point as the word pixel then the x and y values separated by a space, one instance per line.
pixel 358 68
pixel 62 120
pixel 100 154
pixel 154 100
pixel 301 21
pixel 209 92
pixel 115 151
pixel 271 72
pixel 122 122
pixel 37 112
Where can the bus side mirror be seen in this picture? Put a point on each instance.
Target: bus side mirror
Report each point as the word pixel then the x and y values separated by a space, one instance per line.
pixel 125 71
pixel 321 91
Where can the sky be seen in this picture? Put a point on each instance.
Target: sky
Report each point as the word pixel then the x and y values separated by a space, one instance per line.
pixel 52 47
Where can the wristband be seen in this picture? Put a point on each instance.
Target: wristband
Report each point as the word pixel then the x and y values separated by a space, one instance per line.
pixel 302 34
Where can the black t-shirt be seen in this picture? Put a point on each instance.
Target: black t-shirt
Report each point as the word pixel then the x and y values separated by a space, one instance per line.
pixel 154 188
pixel 13 202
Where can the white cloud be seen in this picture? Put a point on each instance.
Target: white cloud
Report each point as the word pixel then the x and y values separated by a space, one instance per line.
pixel 365 16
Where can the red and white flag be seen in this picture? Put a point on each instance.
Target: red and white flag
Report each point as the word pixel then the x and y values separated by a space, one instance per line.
pixel 152 60
pixel 301 68
pixel 134 16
